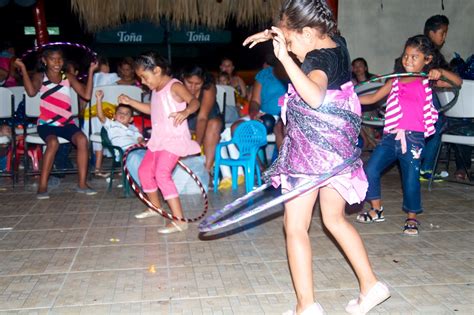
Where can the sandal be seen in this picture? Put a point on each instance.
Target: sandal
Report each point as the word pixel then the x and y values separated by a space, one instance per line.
pixel 411 227
pixel 100 174
pixel 365 217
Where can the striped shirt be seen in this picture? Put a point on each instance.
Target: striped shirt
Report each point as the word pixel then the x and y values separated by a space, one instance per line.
pixel 428 115
pixel 55 104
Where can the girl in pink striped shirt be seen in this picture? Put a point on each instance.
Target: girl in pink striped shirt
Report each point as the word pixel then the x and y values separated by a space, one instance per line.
pixel 409 119
pixel 56 118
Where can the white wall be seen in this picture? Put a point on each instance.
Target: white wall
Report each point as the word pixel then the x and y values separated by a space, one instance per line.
pixel 379 34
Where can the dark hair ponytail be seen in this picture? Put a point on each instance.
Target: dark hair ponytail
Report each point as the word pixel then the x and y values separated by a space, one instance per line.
pixel 297 14
pixel 151 60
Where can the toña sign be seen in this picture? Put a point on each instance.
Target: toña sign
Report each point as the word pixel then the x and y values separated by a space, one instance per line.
pixel 132 33
pixel 198 35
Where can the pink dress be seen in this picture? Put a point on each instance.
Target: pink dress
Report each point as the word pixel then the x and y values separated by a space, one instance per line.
pixel 164 135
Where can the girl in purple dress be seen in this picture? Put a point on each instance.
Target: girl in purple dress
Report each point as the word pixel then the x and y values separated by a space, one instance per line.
pixel 322 114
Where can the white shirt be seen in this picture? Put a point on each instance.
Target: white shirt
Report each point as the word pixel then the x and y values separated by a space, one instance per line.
pixel 121 135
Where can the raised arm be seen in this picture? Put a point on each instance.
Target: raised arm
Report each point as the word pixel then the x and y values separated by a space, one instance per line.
pixel 99 95
pixel 32 85
pixel 141 107
pixel 84 91
pixel 312 87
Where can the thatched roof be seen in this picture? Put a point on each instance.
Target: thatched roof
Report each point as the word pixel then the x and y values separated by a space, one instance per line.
pixel 99 14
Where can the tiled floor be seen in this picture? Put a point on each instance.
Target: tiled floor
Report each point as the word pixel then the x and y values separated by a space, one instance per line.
pixel 75 254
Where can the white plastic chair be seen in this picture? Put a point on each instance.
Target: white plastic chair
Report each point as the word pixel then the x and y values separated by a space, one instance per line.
pixel 111 94
pixel 225 98
pixel 370 88
pixel 464 108
pixel 6 112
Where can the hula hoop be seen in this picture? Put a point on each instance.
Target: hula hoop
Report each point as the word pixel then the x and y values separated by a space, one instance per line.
pixel 454 88
pixel 211 223
pixel 92 53
pixel 144 198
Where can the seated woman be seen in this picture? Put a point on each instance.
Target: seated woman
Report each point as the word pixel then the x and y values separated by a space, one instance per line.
pixel 207 122
pixel 360 73
pixel 227 65
pixel 126 72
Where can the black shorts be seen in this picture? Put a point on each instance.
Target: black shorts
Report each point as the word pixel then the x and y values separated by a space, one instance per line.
pixel 66 132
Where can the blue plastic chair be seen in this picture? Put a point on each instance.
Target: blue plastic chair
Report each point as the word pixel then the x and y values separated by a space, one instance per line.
pixel 249 137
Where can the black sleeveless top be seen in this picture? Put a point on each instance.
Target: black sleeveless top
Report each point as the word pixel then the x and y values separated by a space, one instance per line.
pixel 335 62
pixel 213 113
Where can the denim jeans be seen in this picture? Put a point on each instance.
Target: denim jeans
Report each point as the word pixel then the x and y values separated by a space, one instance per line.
pixel 434 141
pixel 385 154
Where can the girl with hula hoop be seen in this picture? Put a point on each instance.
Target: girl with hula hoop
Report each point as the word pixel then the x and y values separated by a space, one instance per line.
pixel 170 136
pixel 322 113
pixel 56 119
pixel 409 119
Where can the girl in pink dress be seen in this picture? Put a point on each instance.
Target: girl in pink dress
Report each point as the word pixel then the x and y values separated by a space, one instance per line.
pixel 170 137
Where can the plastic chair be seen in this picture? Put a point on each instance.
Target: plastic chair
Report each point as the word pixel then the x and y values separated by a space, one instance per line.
pixel 463 108
pixel 249 137
pixel 6 112
pixel 225 98
pixel 117 157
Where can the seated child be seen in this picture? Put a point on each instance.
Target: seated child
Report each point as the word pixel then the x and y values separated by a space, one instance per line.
pixel 122 133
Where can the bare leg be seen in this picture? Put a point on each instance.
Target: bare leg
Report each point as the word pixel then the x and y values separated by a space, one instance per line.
pixel 98 161
pixel 52 145
pixel 298 213
pixel 332 209
pixel 211 138
pixel 154 198
pixel 279 132
pixel 80 141
pixel 176 209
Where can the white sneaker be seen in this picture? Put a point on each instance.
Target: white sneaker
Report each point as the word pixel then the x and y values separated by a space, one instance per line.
pixel 376 295
pixel 146 214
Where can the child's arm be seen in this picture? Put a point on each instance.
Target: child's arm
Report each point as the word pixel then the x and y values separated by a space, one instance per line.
pixel 373 98
pixel 141 107
pixel 312 87
pixel 242 86
pixel 84 91
pixel 436 74
pixel 99 95
pixel 255 100
pixel 32 86
pixel 182 93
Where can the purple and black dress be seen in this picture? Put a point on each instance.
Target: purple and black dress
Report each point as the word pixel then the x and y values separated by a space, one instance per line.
pixel 320 144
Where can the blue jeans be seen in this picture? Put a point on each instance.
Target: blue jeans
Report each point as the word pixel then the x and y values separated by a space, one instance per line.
pixel 385 154
pixel 434 141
